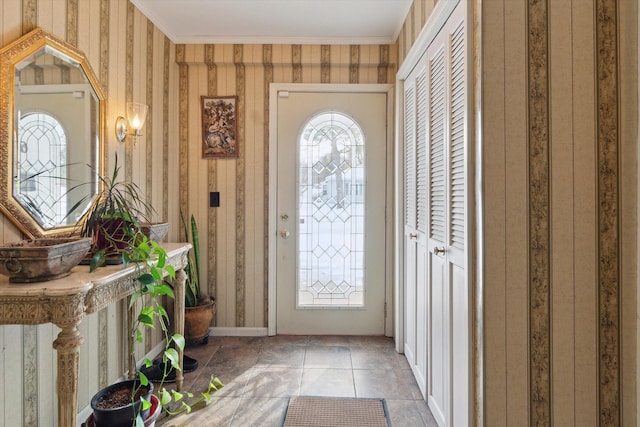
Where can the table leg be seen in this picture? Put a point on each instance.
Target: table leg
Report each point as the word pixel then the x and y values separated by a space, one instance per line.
pixel 131 360
pixel 178 317
pixel 67 346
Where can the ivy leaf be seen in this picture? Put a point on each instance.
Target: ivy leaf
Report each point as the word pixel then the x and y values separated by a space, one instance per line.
pixel 165 397
pixel 144 381
pixel 146 279
pixel 177 396
pixel 178 340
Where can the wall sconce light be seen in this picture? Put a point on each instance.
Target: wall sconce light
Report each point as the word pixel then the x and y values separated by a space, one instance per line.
pixel 136 116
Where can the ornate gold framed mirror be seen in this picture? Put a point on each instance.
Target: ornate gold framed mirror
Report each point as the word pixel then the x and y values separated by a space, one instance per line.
pixel 51 133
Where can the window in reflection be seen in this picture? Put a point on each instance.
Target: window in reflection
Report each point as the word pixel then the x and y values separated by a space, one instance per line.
pixel 43 183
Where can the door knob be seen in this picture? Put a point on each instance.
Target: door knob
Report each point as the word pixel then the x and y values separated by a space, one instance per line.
pixel 413 236
pixel 285 233
pixel 438 251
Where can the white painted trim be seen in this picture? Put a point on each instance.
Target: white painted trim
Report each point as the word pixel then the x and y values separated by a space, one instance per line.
pixel 273 188
pixel 398 258
pixel 83 415
pixel 429 31
pixel 280 40
pixel 274 88
pixel 237 332
pixel 390 218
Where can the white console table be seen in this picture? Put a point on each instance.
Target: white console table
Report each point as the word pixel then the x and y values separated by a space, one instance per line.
pixel 66 301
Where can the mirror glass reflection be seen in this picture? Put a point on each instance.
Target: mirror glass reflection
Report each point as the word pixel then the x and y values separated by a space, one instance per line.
pixel 56 138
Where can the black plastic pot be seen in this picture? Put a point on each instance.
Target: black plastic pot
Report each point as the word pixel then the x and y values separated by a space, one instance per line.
pixel 121 416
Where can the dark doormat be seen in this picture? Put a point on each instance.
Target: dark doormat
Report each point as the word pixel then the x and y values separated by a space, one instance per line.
pixel 307 411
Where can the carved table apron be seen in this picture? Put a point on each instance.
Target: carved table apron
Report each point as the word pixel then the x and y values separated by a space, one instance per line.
pixel 66 301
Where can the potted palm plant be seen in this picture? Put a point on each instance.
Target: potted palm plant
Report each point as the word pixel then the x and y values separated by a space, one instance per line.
pixel 199 307
pixel 113 219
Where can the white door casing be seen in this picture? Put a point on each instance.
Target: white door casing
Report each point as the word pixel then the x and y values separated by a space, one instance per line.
pixel 292 107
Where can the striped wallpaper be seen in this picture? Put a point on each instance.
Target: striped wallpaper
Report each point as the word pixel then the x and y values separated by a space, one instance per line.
pixel 134 61
pixel 234 236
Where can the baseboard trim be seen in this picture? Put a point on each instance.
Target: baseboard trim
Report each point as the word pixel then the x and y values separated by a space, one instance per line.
pixel 237 332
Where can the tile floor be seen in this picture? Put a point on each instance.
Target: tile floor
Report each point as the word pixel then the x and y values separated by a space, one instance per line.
pixel 260 372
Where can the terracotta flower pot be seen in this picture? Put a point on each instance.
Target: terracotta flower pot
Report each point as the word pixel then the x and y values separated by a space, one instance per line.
pixel 197 321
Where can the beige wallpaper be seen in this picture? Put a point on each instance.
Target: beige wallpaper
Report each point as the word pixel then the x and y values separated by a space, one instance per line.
pixel 134 61
pixel 555 235
pixel 233 236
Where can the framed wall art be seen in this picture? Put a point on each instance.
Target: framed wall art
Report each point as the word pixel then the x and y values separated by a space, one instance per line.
pixel 219 127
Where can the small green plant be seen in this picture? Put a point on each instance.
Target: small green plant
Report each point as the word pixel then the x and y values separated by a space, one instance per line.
pixel 151 259
pixel 193 294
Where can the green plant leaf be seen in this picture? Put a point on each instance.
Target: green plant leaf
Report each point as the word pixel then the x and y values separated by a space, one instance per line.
pixel 162 258
pixel 146 279
pixel 178 340
pixel 157 274
pixel 165 289
pixel 134 297
pixel 144 381
pixel 165 397
pixel 171 272
pixel 172 355
pixel 177 396
pixel 196 255
pixel 98 259
pixel 146 317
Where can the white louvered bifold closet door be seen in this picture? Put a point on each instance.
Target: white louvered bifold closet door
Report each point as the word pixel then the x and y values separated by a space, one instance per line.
pixel 416 224
pixel 436 223
pixel 410 231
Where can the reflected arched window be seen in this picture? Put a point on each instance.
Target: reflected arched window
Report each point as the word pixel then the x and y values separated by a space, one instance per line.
pixel 331 212
pixel 42 149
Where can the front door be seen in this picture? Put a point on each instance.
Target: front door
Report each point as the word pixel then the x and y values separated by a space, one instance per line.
pixel 330 213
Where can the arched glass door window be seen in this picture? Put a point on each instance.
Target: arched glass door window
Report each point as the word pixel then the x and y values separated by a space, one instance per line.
pixel 331 191
pixel 42 149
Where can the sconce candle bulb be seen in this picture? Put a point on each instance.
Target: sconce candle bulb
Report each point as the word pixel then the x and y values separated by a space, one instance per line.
pixel 136 116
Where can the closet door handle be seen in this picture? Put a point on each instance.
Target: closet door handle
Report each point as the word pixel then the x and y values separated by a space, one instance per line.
pixel 413 236
pixel 439 251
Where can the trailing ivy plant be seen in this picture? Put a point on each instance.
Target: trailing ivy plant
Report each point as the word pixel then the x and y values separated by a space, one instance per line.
pixel 151 260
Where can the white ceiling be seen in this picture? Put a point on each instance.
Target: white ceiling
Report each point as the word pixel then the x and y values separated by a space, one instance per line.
pixel 277 21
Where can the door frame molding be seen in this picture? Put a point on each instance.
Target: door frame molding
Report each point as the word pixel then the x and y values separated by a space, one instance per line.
pixel 274 90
